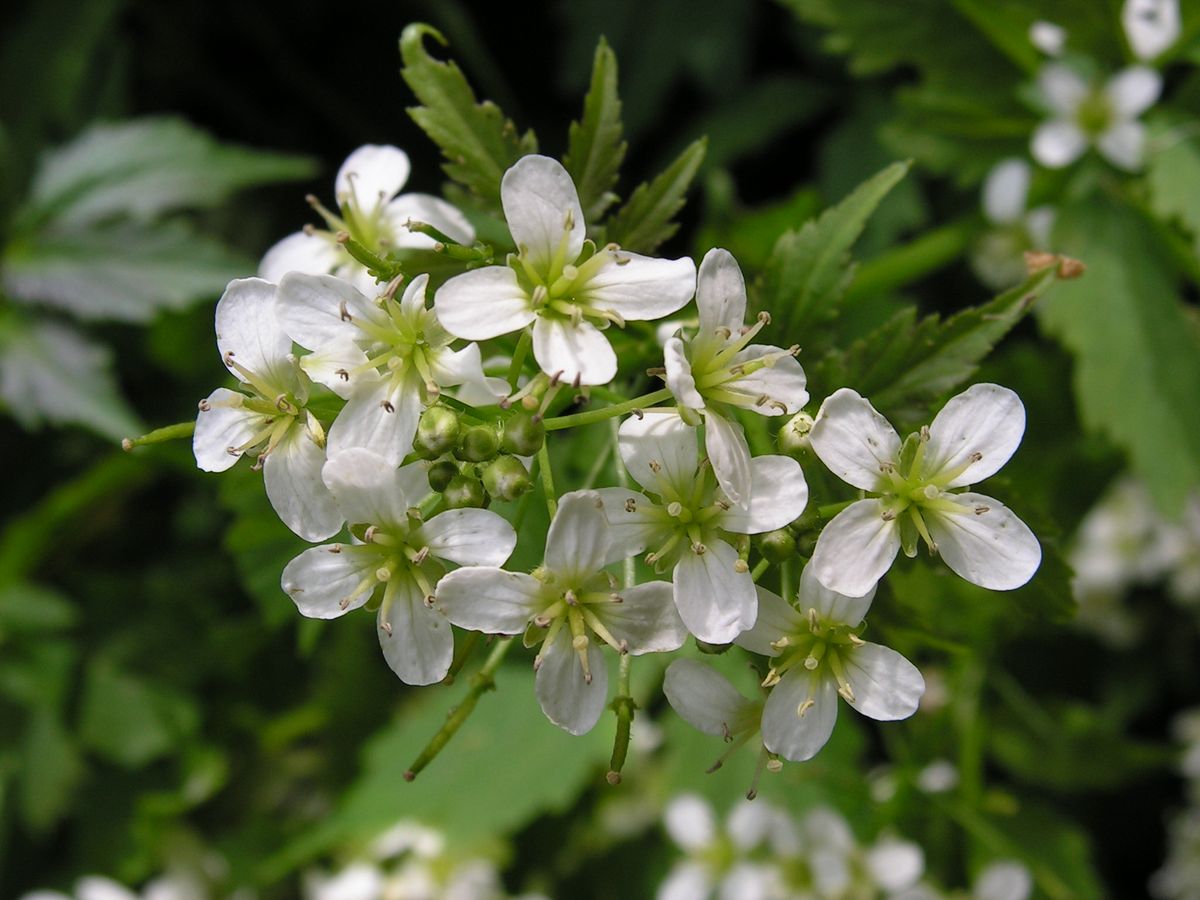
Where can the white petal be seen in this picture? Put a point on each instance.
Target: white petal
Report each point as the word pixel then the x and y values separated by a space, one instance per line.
pixel 542 209
pixel 895 865
pixel 328 581
pixel 706 700
pixel 1040 223
pixel 776 618
pixel 1048 37
pixel 639 287
pixel 986 543
pixel 431 210
pixel 783 382
pixel 686 881
pixel 567 699
pixel 368 489
pixel 646 619
pixel 381 417
pixel 1132 91
pixel 853 440
pixel 789 734
pixel 483 303
pixel 729 454
pixel 312 254
pixel 576 353
pixel 1005 191
pixel 1003 880
pixel 752 881
pixel 224 425
pixel 886 686
pixel 1058 143
pixel 1062 89
pixel 690 822
pixel 715 601
pixel 720 292
pixel 985 419
pixel 319 310
pixel 372 175
pixel 469 537
pixel 451 367
pixel 483 598
pixel 632 523
pixel 292 476
pixel 855 550
pixel 248 328
pixel 1124 145
pixel 830 604
pixel 662 441
pixel 778 494
pixel 679 374
pixel 749 824
pixel 95 887
pixel 1151 26
pixel 420 644
pixel 578 541
pixel 340 366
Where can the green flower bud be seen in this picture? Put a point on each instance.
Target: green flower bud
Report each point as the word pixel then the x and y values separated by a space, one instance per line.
pixel 441 474
pixel 711 649
pixel 505 478
pixel 478 444
pixel 464 491
pixel 437 432
pixel 778 545
pixel 792 438
pixel 524 434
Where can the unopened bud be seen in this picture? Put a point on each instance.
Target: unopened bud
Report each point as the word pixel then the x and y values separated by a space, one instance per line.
pixel 505 478
pixel 437 432
pixel 463 492
pixel 441 474
pixel 777 546
pixel 478 444
pixel 792 439
pixel 523 434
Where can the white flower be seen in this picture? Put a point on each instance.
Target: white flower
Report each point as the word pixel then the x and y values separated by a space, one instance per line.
pixel 270 419
pixel 1151 26
pixel 998 256
pixel 386 358
pixel 1004 879
pixel 1048 37
pixel 564 601
pixel 719 368
pixel 687 521
pixel 816 654
pixel 560 283
pixel 369 210
pixel 978 537
pixel 1083 114
pixel 399 552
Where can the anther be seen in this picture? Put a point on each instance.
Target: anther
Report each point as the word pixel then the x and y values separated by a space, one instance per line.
pixel 383 573
pixel 741 566
pixel 655 466
pixel 421 556
pixel 369 534
pixel 342 374
pixel 387 406
pixel 975 457
pixel 699 549
pixel 615 598
pixel 630 505
pixel 343 312
pixel 805 707
pixel 204 406
pixel 386 627
pixel 429 601
pixel 571 599
pixel 980 510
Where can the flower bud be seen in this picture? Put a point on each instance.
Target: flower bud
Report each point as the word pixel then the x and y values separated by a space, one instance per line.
pixel 505 478
pixel 464 491
pixel 778 545
pixel 523 434
pixel 792 438
pixel 478 444
pixel 437 432
pixel 441 474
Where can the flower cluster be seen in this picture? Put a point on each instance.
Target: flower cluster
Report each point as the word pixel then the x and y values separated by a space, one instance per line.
pixel 370 410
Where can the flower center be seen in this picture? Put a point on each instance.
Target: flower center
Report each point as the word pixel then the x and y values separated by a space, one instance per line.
pixel 1095 114
pixel 576 606
pixel 822 650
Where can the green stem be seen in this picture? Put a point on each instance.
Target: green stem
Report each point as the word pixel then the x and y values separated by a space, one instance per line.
pixel 482 681
pixel 607 412
pixel 462 652
pixel 785 579
pixel 761 566
pixel 167 433
pixel 543 458
pixel 624 706
pixel 832 509
pixel 909 262
pixel 518 358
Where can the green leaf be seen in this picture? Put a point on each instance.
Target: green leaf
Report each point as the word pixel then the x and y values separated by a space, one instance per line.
pixel 51 768
pixel 1172 176
pixel 645 221
pixel 32 608
pixel 1137 360
pixel 476 139
pixel 907 364
pixel 147 167
pixel 595 145
pixel 808 272
pixel 50 373
pixel 125 272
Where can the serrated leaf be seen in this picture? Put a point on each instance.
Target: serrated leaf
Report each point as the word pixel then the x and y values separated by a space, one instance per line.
pixel 1172 175
pixel 1137 360
pixel 50 373
pixel 125 272
pixel 476 139
pixel 595 145
pixel 808 272
pixel 147 167
pixel 645 221
pixel 907 363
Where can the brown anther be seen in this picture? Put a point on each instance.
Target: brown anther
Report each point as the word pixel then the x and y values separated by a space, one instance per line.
pixel 630 505
pixel 420 556
pixel 311 199
pixel 576 381
pixel 615 598
pixel 764 317
pixel 763 400
pixel 1069 268
pixel 623 647
pixel 127 444
pixel 699 549
pixel 204 406
pixel 779 405
pixel 429 601
pixel 980 510
pixel 655 466
pixel 386 627
pixel 233 451
pixel 334 548
pixel 342 374
pixel 888 515
pixel 726 734
pixel 638 414
pixel 369 534
pixel 344 602
pixel 387 406
pixel 554 379
pixel 975 457
pixel 724 504
pixel 343 312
